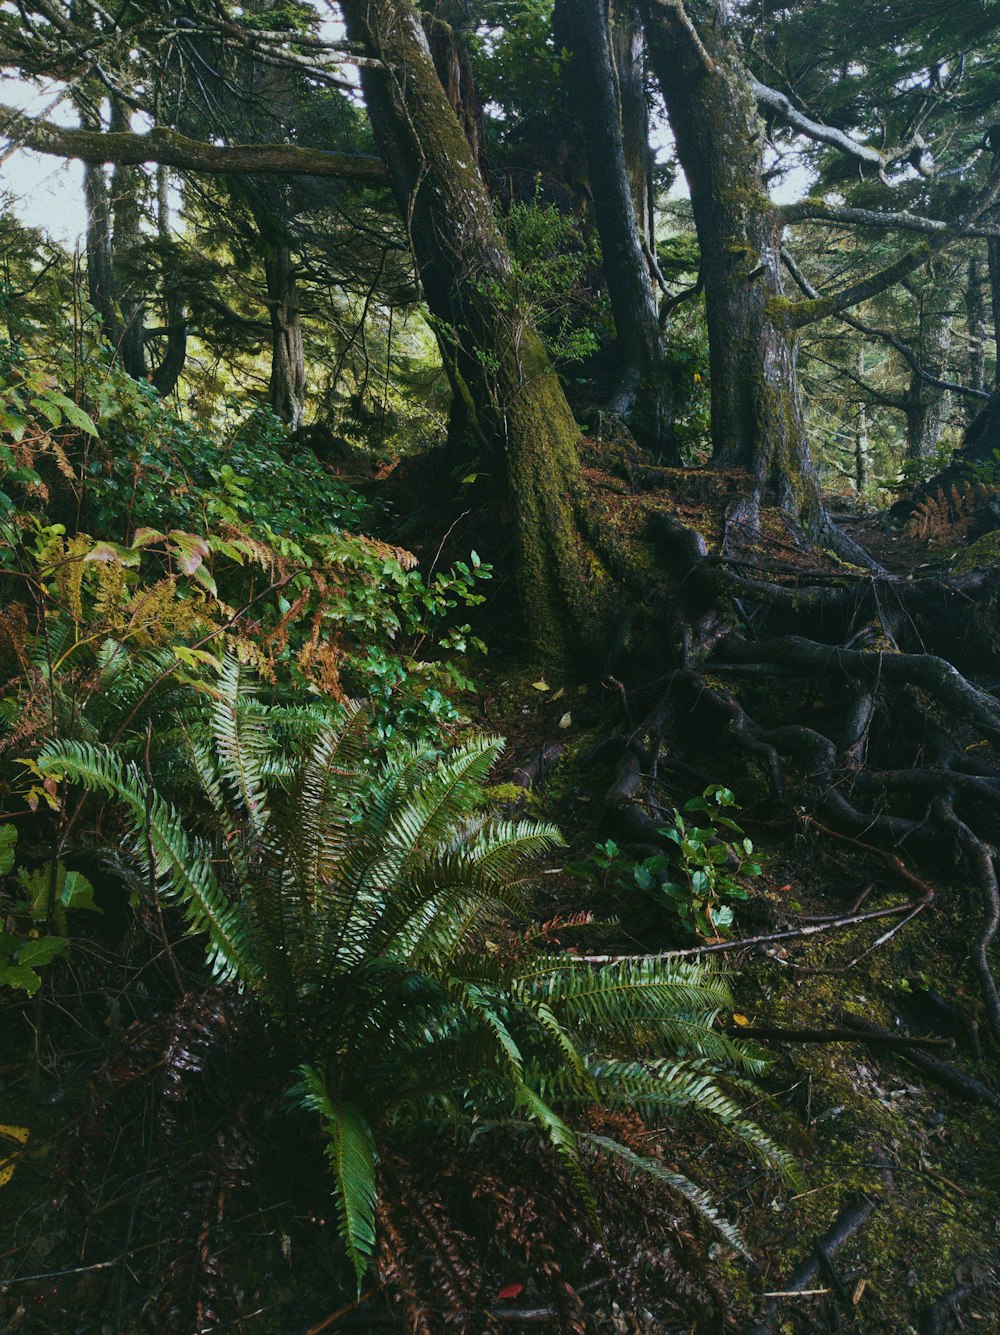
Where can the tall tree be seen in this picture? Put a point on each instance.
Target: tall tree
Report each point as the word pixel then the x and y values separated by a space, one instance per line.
pixel 498 362
pixel 757 422
pixel 641 392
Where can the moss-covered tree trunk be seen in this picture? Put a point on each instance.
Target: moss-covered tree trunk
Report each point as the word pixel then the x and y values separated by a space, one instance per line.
pixel 641 392
pixel 498 360
pixel 757 421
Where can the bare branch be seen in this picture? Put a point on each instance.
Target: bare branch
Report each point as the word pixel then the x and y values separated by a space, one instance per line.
pixel 885 336
pixel 827 134
pixel 799 314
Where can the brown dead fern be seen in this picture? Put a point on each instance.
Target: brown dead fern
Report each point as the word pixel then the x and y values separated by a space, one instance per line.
pixel 948 514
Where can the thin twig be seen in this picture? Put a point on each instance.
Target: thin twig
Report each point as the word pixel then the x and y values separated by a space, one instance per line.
pixel 747 941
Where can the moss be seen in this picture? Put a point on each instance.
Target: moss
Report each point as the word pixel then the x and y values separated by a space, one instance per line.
pixel 788 314
pixel 982 552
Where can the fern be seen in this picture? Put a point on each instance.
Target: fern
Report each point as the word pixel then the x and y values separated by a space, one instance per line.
pixel 180 867
pixel 947 513
pixel 694 1195
pixel 357 899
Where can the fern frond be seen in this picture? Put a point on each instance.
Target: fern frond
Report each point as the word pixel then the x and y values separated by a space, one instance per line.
pixel 241 740
pixel 453 788
pixel 683 1186
pixel 182 867
pixel 352 1156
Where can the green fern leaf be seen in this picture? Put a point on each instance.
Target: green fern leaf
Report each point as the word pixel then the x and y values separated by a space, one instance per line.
pixel 353 1159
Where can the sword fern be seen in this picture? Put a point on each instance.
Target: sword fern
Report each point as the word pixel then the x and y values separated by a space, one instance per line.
pixel 359 902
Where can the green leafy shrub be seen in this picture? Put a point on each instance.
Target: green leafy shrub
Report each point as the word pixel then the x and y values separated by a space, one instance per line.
pixel 700 879
pixel 372 908
pixel 33 930
pixel 143 531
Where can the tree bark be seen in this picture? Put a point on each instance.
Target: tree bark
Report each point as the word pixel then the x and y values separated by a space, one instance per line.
pixel 128 256
pixel 993 260
pixel 628 46
pixel 454 69
pixel 757 421
pixel 928 404
pixel 497 356
pixel 286 391
pixel 641 393
pixel 975 308
pixel 166 373
pixel 100 275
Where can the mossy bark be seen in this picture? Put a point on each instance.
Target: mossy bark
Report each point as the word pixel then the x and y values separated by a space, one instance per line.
pixel 757 421
pixel 518 402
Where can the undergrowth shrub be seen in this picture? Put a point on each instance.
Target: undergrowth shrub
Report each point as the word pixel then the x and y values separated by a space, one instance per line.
pixel 126 529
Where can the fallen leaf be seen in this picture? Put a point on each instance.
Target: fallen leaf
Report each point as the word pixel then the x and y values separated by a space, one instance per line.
pixel 566 720
pixel 511 1291
pixel 559 694
pixel 541 684
pixel 742 1020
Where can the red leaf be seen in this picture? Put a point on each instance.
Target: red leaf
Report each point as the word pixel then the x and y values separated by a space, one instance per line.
pixel 511 1290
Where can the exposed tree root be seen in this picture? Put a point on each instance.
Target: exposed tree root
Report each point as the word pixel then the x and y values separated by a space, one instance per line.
pixel 910 763
pixel 981 857
pixel 942 1315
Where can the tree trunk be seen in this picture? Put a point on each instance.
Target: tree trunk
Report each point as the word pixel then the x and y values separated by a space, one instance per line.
pixel 128 256
pixel 757 421
pixel 286 392
pixel 993 259
pixel 454 69
pixel 167 372
pixel 628 45
pixel 861 435
pixel 498 357
pixel 928 405
pixel 100 275
pixel 975 309
pixel 641 393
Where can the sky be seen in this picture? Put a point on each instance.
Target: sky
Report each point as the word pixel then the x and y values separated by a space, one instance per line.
pixel 46 192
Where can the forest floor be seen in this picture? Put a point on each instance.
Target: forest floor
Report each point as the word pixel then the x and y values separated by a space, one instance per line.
pixel 895 1227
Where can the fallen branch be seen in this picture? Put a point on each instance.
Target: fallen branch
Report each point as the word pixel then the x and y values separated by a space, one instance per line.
pixel 770 1034
pixel 950 1077
pixel 814 929
pixel 857 1212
